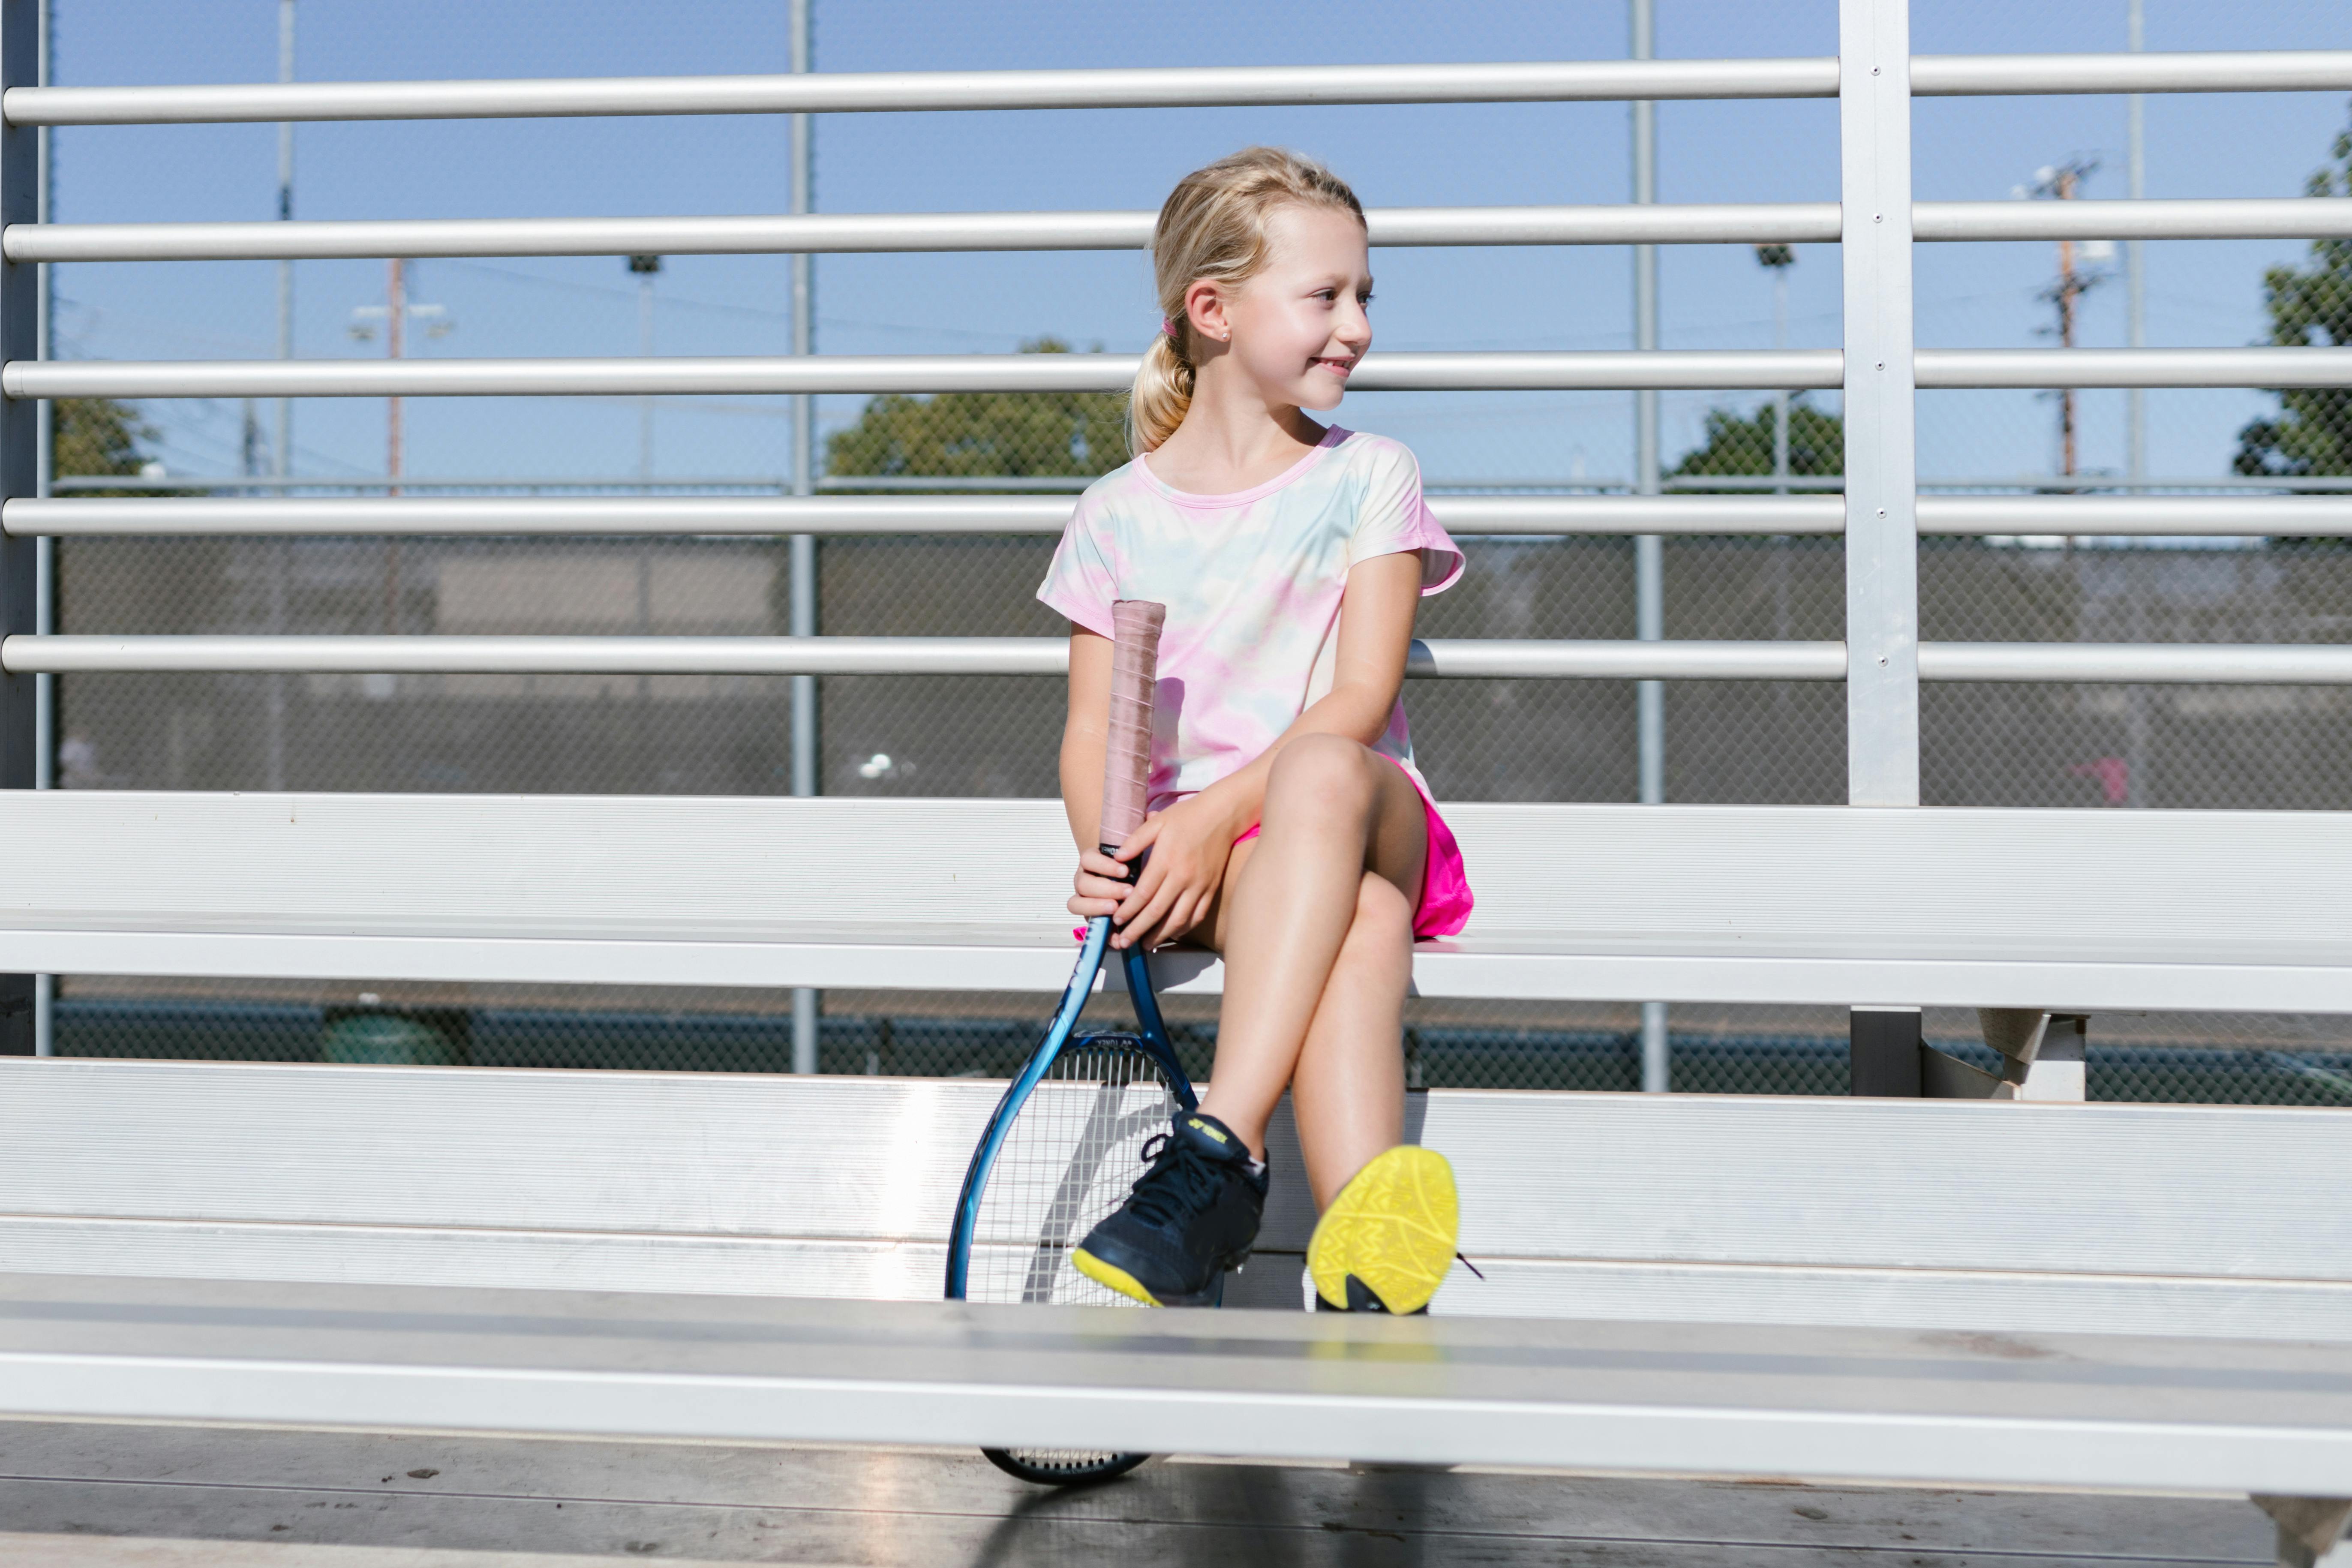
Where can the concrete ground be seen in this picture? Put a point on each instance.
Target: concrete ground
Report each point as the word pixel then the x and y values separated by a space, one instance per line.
pixel 118 1496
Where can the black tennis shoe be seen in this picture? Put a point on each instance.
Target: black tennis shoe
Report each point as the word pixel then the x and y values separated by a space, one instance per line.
pixel 1191 1216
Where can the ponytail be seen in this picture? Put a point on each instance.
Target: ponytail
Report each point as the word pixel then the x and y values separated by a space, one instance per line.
pixel 1212 227
pixel 1163 391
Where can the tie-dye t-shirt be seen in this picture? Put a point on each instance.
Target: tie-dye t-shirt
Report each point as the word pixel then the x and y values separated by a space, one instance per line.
pixel 1252 582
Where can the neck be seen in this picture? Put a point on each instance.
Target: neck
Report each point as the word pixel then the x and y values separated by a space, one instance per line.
pixel 1232 437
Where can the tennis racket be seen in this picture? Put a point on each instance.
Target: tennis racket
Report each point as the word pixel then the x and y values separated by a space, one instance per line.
pixel 1060 1150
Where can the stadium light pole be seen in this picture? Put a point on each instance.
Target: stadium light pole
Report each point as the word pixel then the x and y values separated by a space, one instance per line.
pixel 1649 548
pixel 805 1002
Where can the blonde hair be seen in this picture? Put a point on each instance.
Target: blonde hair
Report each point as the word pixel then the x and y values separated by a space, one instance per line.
pixel 1214 226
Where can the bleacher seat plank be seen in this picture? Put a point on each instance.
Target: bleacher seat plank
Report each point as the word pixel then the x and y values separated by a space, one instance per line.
pixel 1793 904
pixel 2228 1221
pixel 2060 1410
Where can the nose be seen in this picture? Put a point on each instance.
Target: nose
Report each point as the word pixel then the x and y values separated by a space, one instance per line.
pixel 1355 328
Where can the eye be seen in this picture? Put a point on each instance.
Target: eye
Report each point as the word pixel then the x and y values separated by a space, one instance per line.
pixel 1364 299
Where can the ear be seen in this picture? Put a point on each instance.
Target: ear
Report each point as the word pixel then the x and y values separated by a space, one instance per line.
pixel 1206 306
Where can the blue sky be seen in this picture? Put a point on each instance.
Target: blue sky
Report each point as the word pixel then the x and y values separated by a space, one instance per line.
pixel 2201 293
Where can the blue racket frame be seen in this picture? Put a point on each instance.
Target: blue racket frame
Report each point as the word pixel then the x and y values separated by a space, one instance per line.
pixel 1041 1061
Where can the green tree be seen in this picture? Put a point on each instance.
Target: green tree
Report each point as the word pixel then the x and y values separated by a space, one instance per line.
pixel 985 434
pixel 96 436
pixel 2312 433
pixel 1743 447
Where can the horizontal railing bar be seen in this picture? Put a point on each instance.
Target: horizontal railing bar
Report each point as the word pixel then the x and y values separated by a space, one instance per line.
pixel 2169 664
pixel 2266 367
pixel 2265 484
pixel 767 516
pixel 2131 516
pixel 2226 70
pixel 823 92
pixel 1762 370
pixel 850 516
pixel 1586 370
pixel 2265 217
pixel 1475 658
pixel 1932 75
pixel 1472 659
pixel 1790 223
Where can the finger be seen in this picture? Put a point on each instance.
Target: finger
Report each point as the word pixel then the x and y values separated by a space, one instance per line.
pixel 1142 838
pixel 1101 865
pixel 1139 892
pixel 1154 911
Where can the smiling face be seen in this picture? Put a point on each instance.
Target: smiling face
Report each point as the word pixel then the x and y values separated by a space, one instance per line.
pixel 1297 327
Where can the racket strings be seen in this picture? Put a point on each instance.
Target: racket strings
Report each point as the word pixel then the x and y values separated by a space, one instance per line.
pixel 1069 1159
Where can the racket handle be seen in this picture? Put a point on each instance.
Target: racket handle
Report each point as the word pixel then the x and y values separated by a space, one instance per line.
pixel 1126 755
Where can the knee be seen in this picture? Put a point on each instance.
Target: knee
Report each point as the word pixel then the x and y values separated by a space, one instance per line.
pixel 1383 923
pixel 1324 773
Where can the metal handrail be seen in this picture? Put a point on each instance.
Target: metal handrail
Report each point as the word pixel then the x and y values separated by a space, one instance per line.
pixel 2219 70
pixel 1462 659
pixel 823 92
pixel 1785 223
pixel 1761 370
pixel 1932 75
pixel 1584 369
pixel 1753 223
pixel 100 516
pixel 1475 658
pixel 838 516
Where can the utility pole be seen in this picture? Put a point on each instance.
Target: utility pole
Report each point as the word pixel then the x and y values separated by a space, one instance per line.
pixel 1649 548
pixel 2064 182
pixel 396 312
pixel 806 1005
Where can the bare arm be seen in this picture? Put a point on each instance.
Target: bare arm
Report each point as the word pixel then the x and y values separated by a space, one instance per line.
pixel 1086 734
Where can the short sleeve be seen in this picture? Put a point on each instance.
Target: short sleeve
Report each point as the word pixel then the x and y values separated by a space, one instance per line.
pixel 1393 519
pixel 1081 584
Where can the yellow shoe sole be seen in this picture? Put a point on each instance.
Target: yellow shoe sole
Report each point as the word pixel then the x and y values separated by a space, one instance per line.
pixel 1110 1276
pixel 1393 1228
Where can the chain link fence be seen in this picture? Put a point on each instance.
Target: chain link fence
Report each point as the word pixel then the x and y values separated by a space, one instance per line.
pixel 2086 747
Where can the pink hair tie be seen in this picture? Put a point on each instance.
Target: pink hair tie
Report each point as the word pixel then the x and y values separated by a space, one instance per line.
pixel 1168 325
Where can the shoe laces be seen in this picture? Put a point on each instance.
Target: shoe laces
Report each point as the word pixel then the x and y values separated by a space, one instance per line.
pixel 1182 1181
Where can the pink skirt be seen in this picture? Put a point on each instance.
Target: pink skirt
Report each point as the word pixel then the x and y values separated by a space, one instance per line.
pixel 1445 899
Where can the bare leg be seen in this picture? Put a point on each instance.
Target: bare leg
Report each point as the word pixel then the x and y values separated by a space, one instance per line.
pixel 1334 811
pixel 1348 1091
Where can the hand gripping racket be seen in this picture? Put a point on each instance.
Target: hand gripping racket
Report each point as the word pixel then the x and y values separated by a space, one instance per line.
pixel 1060 1152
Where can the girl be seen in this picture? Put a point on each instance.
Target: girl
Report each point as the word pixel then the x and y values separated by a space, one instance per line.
pixel 1290 830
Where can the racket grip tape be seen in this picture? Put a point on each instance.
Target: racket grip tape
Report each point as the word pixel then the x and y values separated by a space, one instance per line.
pixel 1127 752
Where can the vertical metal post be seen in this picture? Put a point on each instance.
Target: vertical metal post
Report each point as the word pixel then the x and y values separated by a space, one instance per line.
pixel 1881 546
pixel 806 1012
pixel 20 423
pixel 1649 549
pixel 2135 722
pixel 44 550
pixel 1882 593
pixel 2136 265
pixel 282 454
